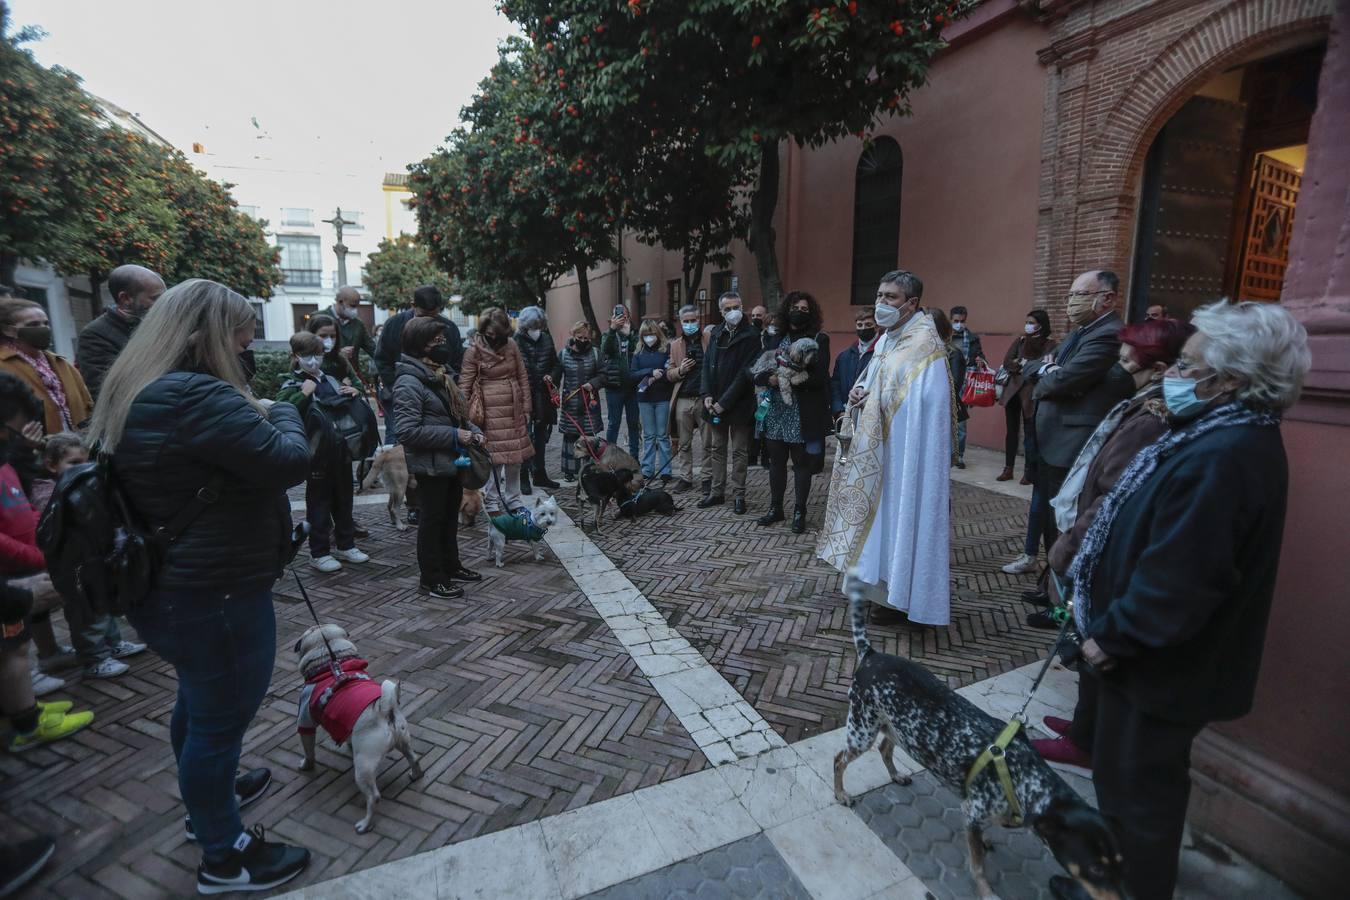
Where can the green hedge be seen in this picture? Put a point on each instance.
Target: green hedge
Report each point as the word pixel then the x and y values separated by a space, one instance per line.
pixel 273 367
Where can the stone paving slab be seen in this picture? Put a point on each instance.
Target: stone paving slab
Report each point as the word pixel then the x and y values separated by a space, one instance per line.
pixel 748 869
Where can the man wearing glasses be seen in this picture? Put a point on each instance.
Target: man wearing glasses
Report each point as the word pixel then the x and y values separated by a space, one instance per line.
pixel 1077 385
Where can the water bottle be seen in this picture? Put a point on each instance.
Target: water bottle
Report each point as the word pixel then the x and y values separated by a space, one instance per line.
pixel 762 409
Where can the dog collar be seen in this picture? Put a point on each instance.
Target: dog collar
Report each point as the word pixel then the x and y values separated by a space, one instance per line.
pixel 995 753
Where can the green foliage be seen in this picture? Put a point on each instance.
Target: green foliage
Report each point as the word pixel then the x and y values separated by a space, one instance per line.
pixel 397 268
pixel 273 367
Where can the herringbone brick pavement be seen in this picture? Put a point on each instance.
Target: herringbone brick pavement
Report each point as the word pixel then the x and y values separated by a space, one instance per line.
pixel 522 705
pixel 769 616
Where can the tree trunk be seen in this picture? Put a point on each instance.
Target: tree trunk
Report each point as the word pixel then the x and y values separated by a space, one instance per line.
pixel 9 263
pixel 763 240
pixel 584 292
pixel 691 284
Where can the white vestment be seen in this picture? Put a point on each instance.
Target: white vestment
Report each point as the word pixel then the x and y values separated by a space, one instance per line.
pixel 889 511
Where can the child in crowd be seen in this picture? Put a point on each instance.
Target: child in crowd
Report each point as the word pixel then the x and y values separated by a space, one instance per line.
pixel 328 492
pixel 99 645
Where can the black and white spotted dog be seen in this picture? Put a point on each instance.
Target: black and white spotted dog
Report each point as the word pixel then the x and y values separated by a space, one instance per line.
pixel 945 733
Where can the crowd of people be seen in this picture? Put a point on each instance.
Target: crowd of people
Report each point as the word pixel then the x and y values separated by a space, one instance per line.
pixel 1153 450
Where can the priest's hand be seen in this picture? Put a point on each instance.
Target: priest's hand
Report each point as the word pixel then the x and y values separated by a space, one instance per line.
pixel 857 397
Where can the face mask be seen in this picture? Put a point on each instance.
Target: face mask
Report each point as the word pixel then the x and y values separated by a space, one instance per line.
pixel 439 354
pixel 1179 395
pixel 958 327
pixel 1031 329
pixel 310 363
pixel 866 334
pixel 886 315
pixel 39 337
pixel 347 312
pixel 689 328
pixel 581 345
pixel 328 345
pixel 772 329
pixel 1079 311
pixel 798 318
pixel 732 317
pixel 496 341
pixel 533 333
pixel 649 340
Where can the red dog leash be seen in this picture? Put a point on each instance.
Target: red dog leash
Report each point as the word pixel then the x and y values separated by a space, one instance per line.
pixel 558 400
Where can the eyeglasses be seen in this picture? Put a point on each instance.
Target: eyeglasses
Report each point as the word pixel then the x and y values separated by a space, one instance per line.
pixel 1183 365
pixel 1074 295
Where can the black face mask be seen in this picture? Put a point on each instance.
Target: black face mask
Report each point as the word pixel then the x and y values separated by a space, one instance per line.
pixel 439 354
pixel 866 334
pixel 582 346
pixel 799 319
pixel 496 341
pixel 39 337
pixel 250 365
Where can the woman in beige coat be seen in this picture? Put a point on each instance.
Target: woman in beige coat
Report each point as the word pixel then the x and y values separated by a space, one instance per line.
pixel 498 388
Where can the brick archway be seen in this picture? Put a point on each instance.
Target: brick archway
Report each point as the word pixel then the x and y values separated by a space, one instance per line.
pixel 1120 70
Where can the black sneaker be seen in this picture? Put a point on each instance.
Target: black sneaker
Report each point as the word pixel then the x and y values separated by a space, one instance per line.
pixel 248 789
pixel 1036 598
pixel 1042 619
pixel 442 591
pixel 254 864
pixel 411 517
pixel 463 574
pixel 738 506
pixel 21 862
pixel 545 482
pixel 711 501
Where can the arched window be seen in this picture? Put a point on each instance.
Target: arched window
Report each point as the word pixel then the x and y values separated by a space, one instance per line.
pixel 876 217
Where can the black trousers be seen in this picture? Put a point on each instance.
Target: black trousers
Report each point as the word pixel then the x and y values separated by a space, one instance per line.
pixel 328 508
pixel 1083 729
pixel 1141 769
pixel 438 527
pixel 801 472
pixel 539 436
pixel 1049 479
pixel 1012 414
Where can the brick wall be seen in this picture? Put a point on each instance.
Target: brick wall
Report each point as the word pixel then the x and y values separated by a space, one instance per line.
pixel 1117 70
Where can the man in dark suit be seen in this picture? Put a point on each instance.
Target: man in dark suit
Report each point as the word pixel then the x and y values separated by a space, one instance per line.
pixel 853 359
pixel 1077 385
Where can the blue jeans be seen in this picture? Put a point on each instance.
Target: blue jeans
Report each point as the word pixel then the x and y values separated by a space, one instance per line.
pixel 1040 504
pixel 222 649
pixel 961 440
pixel 621 402
pixel 655 439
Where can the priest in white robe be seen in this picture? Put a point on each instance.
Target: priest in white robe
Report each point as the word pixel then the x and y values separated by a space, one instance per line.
pixel 889 512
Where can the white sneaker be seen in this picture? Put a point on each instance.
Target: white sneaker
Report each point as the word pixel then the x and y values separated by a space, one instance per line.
pixel 325 564
pixel 106 668
pixel 1022 565
pixel 123 649
pixel 45 684
pixel 353 555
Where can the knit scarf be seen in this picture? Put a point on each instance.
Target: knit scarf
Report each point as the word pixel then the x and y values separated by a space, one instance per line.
pixel 51 382
pixel 459 407
pixel 1084 565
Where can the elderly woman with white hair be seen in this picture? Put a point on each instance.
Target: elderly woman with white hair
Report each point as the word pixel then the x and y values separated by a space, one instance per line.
pixel 1173 581
pixel 541 357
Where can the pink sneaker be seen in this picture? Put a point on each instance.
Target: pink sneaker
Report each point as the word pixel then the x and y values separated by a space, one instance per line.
pixel 1057 725
pixel 1063 751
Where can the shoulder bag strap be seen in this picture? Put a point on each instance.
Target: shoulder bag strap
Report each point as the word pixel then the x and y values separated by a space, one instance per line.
pixel 207 495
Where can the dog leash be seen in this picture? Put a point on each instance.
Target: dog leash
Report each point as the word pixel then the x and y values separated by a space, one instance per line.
pixel 558 400
pixel 332 657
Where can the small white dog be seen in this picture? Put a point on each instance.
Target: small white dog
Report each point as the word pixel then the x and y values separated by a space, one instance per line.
pixel 544 516
pixel 350 706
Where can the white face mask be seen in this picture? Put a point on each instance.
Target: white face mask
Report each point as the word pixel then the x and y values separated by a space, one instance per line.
pixel 347 312
pixel 649 340
pixel 328 344
pixel 1030 329
pixel 958 327
pixel 772 329
pixel 309 363
pixel 732 317
pixel 533 333
pixel 887 315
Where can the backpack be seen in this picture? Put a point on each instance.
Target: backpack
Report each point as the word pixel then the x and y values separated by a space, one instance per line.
pixel 341 425
pixel 98 551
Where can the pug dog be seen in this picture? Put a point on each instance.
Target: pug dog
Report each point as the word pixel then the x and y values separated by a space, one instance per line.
pixel 352 707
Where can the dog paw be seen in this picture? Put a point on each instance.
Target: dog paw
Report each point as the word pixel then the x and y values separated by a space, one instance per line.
pixel 902 779
pixel 402 526
pixel 845 799
pixel 306 765
pixel 363 826
pixel 415 774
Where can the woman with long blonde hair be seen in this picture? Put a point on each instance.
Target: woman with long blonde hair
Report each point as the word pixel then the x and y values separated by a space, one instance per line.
pixel 184 434
pixel 653 394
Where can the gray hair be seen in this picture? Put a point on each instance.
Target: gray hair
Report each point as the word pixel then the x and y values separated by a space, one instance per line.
pixel 729 295
pixel 687 309
pixel 1260 343
pixel 910 285
pixel 532 317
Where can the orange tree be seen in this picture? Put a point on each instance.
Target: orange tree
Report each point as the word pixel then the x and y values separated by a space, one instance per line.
pixel 397 268
pixel 520 195
pixel 742 75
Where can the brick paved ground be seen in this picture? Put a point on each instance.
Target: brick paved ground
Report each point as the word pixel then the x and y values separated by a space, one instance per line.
pixel 522 702
pixel 767 614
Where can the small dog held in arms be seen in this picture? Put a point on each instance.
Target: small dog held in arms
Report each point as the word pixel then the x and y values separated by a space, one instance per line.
pixel 543 516
pixel 352 707
pixel 790 366
pixel 946 733
pixel 390 467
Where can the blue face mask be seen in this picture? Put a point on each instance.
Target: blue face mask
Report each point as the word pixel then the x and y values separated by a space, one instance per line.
pixel 1179 395
pixel 689 328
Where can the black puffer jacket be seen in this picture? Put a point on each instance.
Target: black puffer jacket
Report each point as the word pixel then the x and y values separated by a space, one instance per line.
pixel 540 360
pixel 182 430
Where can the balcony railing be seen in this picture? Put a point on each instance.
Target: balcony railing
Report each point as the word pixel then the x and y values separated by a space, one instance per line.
pixel 303 277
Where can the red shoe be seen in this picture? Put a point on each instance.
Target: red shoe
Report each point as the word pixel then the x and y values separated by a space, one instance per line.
pixel 1063 751
pixel 1057 725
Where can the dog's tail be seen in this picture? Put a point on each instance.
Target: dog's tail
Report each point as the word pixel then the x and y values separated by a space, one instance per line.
pixel 388 702
pixel 855 589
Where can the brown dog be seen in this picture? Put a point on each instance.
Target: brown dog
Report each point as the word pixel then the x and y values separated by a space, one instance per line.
pixel 390 467
pixel 470 507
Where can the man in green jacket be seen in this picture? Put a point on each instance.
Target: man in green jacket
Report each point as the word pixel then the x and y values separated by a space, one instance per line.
pixel 352 334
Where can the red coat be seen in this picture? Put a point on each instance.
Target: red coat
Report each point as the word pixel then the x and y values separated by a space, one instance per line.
pixel 338 717
pixel 19 553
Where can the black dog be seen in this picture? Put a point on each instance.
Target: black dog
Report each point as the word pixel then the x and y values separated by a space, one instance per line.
pixel 637 501
pixel 945 733
pixel 600 487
